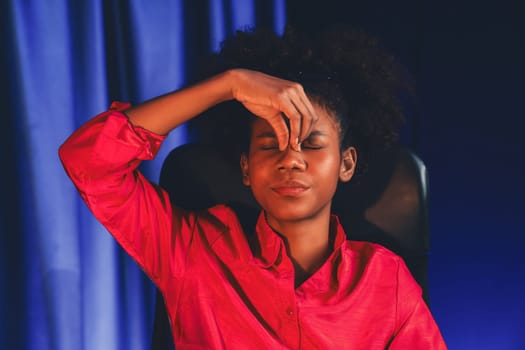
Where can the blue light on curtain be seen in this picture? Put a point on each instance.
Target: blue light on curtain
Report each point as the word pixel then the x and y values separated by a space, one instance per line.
pixel 242 15
pixel 65 284
pixel 279 14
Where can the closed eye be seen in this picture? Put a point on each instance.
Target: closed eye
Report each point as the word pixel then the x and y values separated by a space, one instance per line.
pixel 313 142
pixel 306 146
pixel 267 141
pixel 268 147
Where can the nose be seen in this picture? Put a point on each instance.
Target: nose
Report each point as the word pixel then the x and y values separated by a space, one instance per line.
pixel 291 159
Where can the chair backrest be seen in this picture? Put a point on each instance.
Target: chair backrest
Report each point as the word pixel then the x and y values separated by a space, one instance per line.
pixel 388 206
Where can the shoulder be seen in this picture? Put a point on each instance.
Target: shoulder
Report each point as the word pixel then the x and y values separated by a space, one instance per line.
pixel 380 263
pixel 216 222
pixel 219 216
pixel 371 252
pixel 219 232
pixel 364 252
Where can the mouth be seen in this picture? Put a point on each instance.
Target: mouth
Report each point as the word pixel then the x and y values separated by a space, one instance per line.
pixel 290 188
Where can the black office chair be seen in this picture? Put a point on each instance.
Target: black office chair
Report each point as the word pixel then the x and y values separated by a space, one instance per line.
pixel 387 206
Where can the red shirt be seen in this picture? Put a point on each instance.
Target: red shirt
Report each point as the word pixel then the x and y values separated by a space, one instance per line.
pixel 222 293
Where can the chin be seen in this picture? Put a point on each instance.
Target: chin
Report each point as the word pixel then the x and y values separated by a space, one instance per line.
pixel 292 213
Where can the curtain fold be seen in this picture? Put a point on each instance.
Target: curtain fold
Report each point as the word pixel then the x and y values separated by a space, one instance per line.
pixel 66 283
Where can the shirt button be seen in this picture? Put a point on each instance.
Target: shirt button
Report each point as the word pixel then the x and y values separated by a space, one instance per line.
pixel 290 311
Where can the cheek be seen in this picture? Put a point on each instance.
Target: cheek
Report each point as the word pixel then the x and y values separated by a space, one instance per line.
pixel 330 159
pixel 327 169
pixel 257 170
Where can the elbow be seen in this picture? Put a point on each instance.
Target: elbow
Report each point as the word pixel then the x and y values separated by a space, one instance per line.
pixel 73 160
pixel 66 155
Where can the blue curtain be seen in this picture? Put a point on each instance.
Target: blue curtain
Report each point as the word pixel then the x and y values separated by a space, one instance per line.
pixel 64 283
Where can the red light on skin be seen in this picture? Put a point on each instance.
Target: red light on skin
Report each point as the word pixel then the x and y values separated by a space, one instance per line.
pixel 290 189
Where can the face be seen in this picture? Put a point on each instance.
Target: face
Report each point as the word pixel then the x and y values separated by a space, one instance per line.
pixel 296 185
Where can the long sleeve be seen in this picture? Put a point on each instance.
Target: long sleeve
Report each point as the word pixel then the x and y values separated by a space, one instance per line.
pixel 101 158
pixel 416 328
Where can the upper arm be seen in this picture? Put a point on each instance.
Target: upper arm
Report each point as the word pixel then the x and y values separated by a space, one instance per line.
pixel 101 158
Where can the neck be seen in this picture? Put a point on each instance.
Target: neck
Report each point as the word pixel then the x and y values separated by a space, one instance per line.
pixel 307 243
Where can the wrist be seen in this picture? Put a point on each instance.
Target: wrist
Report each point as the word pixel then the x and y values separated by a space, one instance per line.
pixel 233 77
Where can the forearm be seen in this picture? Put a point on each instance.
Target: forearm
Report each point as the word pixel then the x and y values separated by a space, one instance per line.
pixel 163 114
pixel 266 96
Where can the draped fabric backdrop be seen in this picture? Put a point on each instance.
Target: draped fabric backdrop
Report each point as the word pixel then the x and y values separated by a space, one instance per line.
pixel 64 283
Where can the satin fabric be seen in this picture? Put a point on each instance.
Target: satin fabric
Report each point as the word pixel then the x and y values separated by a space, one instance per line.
pixel 220 291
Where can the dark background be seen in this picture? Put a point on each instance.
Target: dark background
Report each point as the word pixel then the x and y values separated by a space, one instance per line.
pixel 467 58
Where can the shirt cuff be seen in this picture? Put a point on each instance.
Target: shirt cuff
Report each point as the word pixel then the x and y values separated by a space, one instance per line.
pixel 130 137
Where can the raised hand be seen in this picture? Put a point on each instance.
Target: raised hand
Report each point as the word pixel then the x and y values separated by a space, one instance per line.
pixel 275 100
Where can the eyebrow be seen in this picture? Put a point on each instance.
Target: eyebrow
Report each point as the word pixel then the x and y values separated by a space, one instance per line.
pixel 271 134
pixel 266 134
pixel 317 133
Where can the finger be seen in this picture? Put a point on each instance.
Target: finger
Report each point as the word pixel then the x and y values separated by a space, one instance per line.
pixel 309 116
pixel 280 129
pixel 294 120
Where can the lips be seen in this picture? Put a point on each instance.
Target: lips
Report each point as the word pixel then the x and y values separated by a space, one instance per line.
pixel 290 188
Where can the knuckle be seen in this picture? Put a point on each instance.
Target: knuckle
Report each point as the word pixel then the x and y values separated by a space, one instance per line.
pixel 284 92
pixel 296 86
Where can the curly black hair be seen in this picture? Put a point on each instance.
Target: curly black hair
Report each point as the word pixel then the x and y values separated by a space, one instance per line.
pixel 344 70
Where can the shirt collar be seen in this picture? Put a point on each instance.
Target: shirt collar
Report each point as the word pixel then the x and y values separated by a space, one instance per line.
pixel 337 232
pixel 271 245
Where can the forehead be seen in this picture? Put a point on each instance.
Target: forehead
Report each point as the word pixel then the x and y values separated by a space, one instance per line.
pixel 326 123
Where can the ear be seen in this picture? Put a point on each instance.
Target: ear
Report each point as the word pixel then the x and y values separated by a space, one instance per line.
pixel 348 164
pixel 244 169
